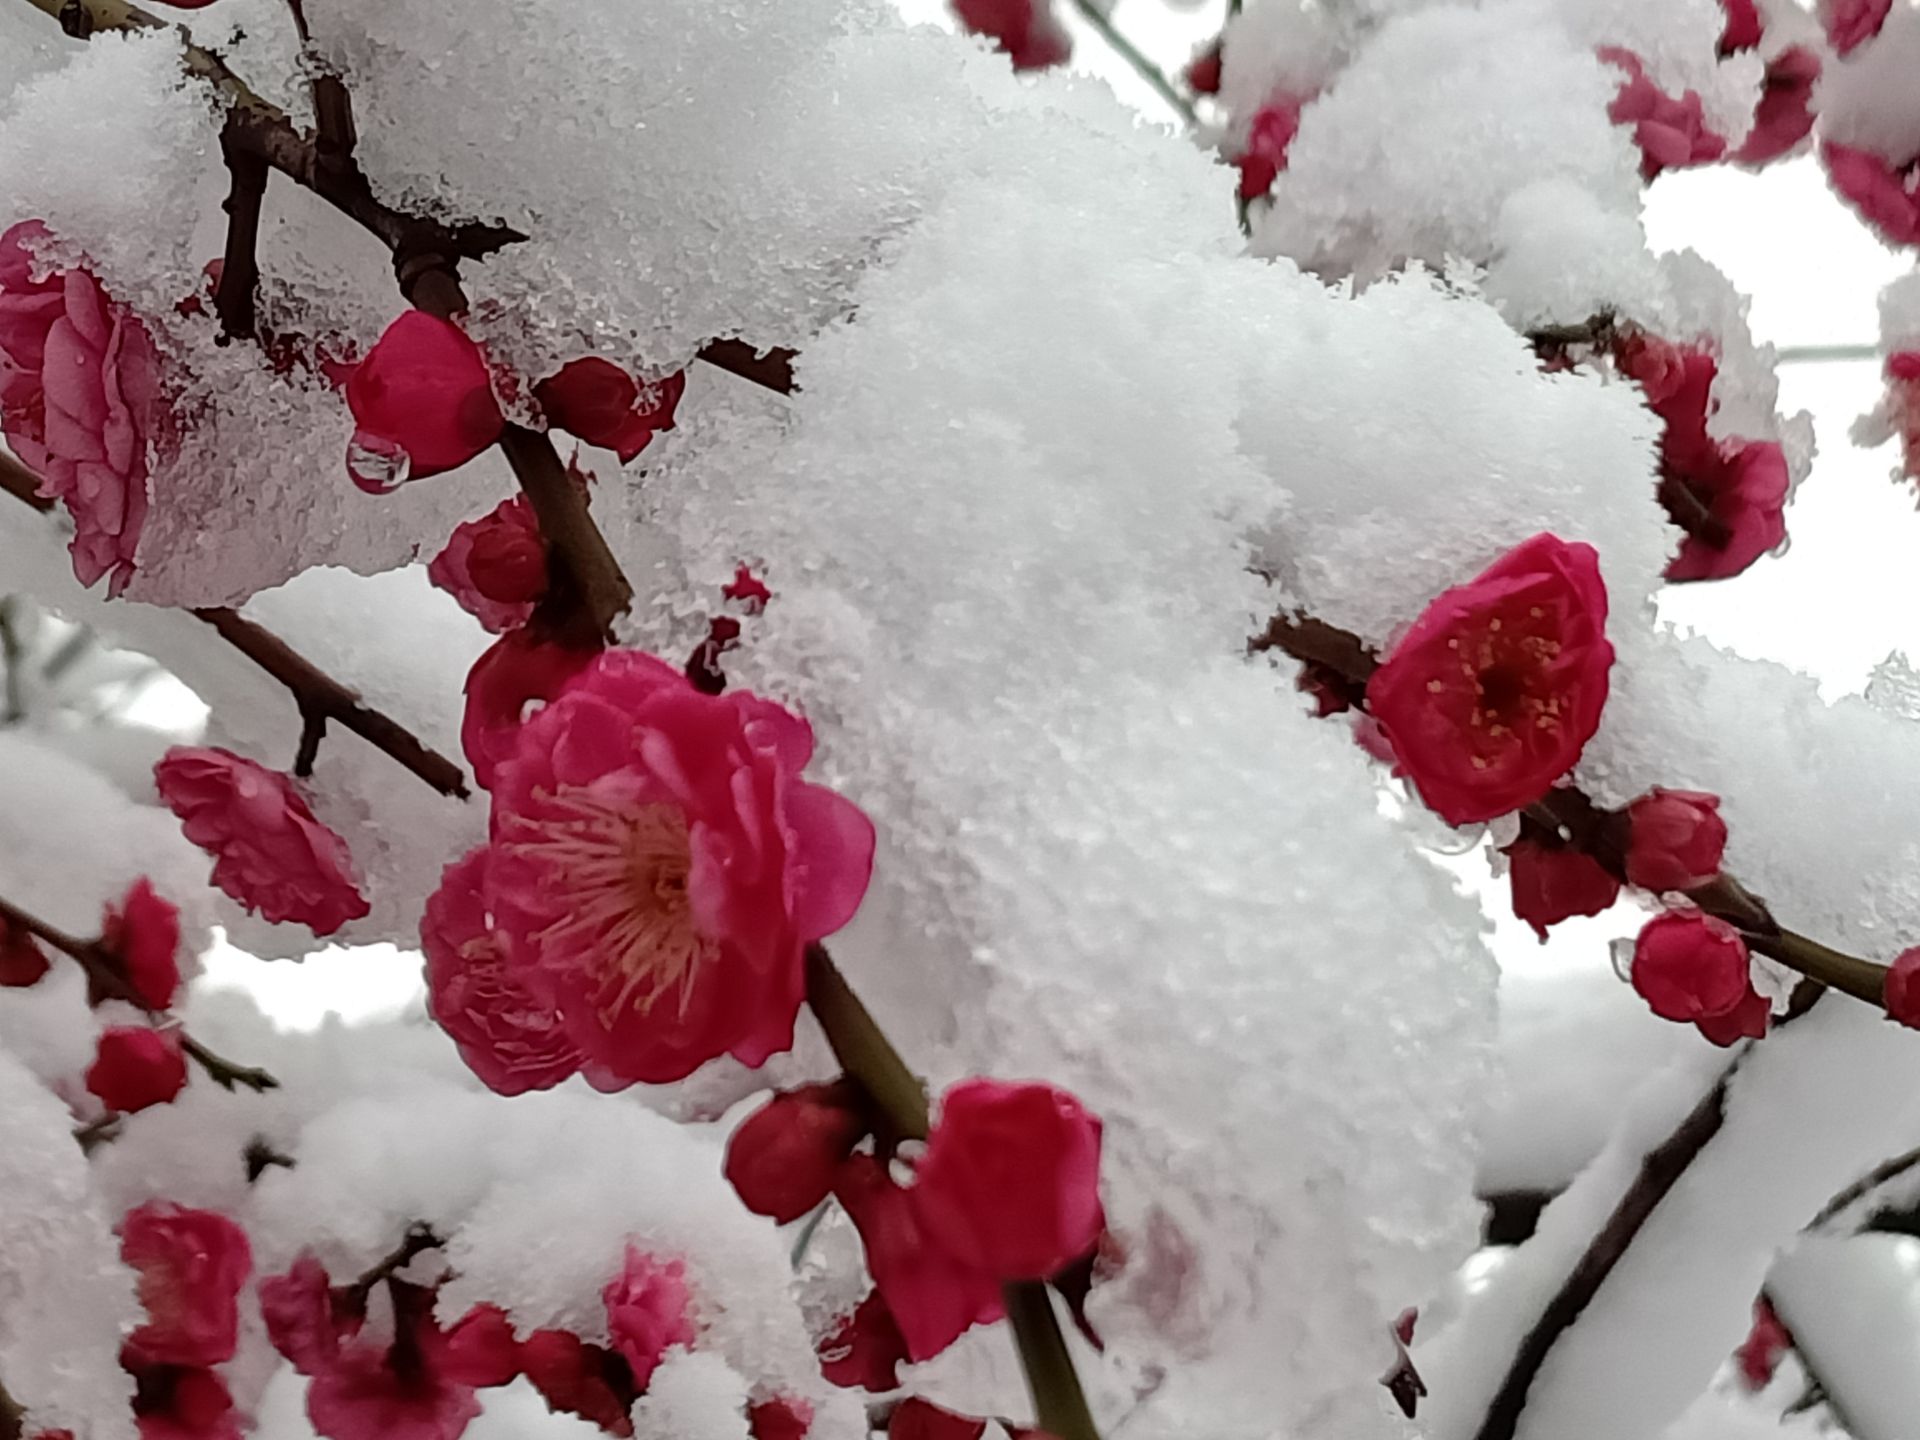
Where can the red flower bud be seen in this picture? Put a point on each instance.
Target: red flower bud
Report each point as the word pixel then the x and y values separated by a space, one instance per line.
pixel 1203 71
pixel 481 1350
pixel 144 933
pixel 21 961
pixel 423 402
pixel 783 1159
pixel 1688 965
pixel 508 565
pixel 605 406
pixel 784 1417
pixel 579 1379
pixel 136 1067
pixel 1759 1354
pixel 1010 1183
pixel 917 1419
pixel 1746 1021
pixel 1901 992
pixel 1676 839
pixel 1552 883
pixel 866 1349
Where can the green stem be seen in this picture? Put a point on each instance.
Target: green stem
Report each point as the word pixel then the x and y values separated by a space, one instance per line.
pixel 1058 1402
pixel 1859 978
pixel 863 1050
pixel 1142 66
pixel 869 1058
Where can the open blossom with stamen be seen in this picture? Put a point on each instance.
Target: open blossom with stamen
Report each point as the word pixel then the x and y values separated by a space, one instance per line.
pixel 508 1037
pixel 658 867
pixel 1494 691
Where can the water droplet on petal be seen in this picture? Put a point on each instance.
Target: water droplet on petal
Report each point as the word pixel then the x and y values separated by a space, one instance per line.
pixel 376 464
pixel 1620 950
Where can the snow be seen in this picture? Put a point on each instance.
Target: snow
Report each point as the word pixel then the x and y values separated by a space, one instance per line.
pixel 1679 1300
pixel 1445 114
pixel 65 1299
pixel 1853 1308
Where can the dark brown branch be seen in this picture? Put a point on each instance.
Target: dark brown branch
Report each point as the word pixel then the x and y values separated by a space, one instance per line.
pixel 318 694
pixel 313 729
pixel 107 979
pixel 233 298
pixel 1859 1190
pixel 260 1157
pixel 12 1417
pixel 314 691
pixel 586 590
pixel 1658 1173
pixel 419 1239
pixel 773 370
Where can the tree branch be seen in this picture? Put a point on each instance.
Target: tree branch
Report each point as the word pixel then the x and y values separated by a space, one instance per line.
pixel 314 691
pixel 1346 661
pixel 106 977
pixel 870 1060
pixel 318 694
pixel 233 298
pixel 12 1417
pixel 1658 1173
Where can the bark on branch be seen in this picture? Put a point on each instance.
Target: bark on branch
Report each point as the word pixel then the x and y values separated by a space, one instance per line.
pixel 315 693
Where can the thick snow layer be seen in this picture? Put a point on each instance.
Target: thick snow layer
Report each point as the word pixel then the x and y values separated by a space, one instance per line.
pixel 65 1299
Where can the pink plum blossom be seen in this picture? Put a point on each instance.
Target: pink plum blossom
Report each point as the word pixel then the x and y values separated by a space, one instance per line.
pixel 190 1266
pixel 508 1038
pixel 496 566
pixel 1496 688
pixel 79 401
pixel 658 867
pixel 270 853
pixel 422 400
pixel 649 1311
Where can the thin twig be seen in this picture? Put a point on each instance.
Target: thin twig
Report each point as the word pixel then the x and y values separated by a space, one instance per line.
pixel 13 655
pixel 317 693
pixel 107 978
pixel 1102 23
pixel 419 1239
pixel 1859 1190
pixel 772 371
pixel 314 691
